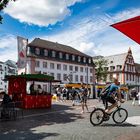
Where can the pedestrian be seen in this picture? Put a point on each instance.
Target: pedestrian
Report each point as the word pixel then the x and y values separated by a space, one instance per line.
pixel 64 92
pixel 58 92
pixel 73 95
pixel 138 95
pixel 133 95
pixel 84 96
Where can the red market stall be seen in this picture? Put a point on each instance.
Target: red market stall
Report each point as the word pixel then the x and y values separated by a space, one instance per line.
pixel 20 85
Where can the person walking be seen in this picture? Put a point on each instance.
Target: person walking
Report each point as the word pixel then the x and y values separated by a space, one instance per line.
pixel 133 95
pixel 73 95
pixel 84 93
pixel 138 95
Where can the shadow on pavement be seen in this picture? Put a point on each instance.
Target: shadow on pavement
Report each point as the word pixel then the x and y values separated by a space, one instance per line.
pixel 36 118
pixel 116 125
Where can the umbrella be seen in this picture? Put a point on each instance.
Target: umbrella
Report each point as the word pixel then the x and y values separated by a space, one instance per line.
pixel 130 27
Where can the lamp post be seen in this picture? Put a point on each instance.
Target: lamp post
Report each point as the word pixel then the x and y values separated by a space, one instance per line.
pixel 87 75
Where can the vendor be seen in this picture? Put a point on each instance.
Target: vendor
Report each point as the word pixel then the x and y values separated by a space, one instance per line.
pixel 39 89
pixel 32 90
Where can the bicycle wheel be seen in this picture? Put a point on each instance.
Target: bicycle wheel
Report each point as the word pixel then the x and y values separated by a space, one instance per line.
pixel 96 116
pixel 120 115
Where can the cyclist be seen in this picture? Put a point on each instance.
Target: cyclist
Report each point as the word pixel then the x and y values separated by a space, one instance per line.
pixel 113 91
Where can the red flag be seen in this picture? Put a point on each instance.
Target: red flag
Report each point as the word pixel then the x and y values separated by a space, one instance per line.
pixel 130 28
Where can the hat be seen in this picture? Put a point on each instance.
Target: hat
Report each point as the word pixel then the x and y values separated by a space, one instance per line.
pixel 3 92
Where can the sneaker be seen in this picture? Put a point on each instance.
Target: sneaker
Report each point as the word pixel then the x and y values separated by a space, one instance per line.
pixel 82 112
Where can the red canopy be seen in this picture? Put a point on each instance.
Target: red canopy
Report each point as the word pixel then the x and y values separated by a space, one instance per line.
pixel 130 27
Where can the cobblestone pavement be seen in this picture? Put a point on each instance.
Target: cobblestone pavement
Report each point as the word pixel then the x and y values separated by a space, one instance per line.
pixel 65 122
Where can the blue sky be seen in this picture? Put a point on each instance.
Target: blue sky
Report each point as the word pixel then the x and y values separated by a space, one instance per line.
pixel 82 24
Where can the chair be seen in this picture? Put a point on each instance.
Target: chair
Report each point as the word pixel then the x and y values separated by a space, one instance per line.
pixel 18 107
pixel 8 111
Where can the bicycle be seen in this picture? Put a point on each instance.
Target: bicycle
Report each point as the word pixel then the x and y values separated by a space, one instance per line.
pixel 119 115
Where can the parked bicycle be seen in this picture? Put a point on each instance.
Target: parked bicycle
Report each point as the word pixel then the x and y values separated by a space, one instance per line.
pixel 98 115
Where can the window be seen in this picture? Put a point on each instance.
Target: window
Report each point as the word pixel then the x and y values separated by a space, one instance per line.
pixel 73 57
pixel 37 63
pixel 112 68
pixel 91 70
pixel 0 66
pixel 65 77
pixel 67 56
pixel 51 65
pixel 65 67
pixel 52 74
pixel 44 64
pixel 79 58
pixel 89 60
pixel 84 60
pixel 58 76
pixel 76 68
pixel 71 68
pixel 111 62
pixel 76 78
pixel 53 53
pixel 81 78
pixel 81 69
pixel 58 66
pixel 91 79
pixel 45 52
pixel 71 77
pixel 37 51
pixel 60 55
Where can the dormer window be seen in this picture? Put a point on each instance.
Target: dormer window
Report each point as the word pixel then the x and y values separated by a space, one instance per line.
pixel 45 52
pixel 53 53
pixel 79 58
pixel 89 60
pixel 60 55
pixel 73 57
pixel 67 56
pixel 84 60
pixel 37 51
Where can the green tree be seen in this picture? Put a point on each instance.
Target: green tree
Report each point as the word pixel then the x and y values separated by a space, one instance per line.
pixel 101 69
pixel 3 4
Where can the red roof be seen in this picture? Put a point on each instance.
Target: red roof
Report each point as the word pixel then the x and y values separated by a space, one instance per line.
pixel 130 27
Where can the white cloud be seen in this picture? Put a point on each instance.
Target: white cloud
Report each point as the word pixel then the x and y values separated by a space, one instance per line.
pixel 8 48
pixel 97 37
pixel 40 12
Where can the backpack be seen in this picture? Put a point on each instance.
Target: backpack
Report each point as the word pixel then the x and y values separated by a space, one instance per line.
pixel 105 92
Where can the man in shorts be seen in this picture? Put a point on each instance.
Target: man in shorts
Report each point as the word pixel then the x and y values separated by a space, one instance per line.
pixel 113 91
pixel 84 93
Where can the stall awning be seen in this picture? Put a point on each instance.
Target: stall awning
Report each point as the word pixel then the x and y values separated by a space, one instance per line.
pixel 33 77
pixel 130 28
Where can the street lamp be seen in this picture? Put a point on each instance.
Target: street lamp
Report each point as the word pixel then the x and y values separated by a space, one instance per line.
pixel 87 75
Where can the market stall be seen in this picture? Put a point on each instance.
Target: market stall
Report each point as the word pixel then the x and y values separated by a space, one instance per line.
pixel 34 90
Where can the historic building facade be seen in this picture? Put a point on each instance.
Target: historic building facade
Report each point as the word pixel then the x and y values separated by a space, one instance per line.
pixel 123 67
pixel 63 62
pixel 6 68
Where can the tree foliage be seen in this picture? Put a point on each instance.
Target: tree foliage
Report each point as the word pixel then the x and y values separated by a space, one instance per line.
pixel 101 70
pixel 3 4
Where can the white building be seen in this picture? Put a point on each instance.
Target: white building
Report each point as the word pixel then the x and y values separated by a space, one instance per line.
pixel 6 68
pixel 61 61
